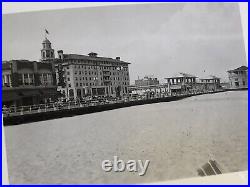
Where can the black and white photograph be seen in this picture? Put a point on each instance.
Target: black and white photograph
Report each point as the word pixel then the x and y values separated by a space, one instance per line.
pixel 124 94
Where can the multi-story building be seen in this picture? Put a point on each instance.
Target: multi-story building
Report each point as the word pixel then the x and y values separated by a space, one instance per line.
pixel 181 82
pixel 210 83
pixel 79 76
pixel 238 78
pixel 147 81
pixel 27 82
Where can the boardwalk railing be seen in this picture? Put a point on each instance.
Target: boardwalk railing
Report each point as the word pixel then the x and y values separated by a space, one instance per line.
pixel 22 110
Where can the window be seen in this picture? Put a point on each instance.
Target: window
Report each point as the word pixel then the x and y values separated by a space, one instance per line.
pixel 25 79
pixel 76 78
pixel 69 85
pixel 31 77
pixel 68 73
pixel 244 83
pixel 47 54
pixel 77 84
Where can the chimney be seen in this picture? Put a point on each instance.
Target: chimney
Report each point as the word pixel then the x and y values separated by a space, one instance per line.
pixel 118 58
pixel 60 54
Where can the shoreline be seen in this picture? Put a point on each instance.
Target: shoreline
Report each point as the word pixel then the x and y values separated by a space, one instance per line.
pixel 49 115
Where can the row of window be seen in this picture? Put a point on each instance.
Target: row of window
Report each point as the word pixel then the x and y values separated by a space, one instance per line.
pixel 89 61
pixel 28 79
pixel 95 84
pixel 119 68
pixel 95 73
pixel 174 81
pixel 85 78
pixel 84 84
pixel 209 81
pixel 48 54
pixel 96 78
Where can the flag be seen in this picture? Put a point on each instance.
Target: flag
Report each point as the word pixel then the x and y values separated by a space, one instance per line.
pixel 46 31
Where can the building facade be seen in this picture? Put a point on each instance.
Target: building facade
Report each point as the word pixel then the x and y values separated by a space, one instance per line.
pixel 238 78
pixel 181 82
pixel 210 83
pixel 79 76
pixel 27 82
pixel 147 81
pixel 47 52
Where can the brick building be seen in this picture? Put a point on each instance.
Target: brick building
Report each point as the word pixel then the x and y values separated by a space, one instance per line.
pixel 79 76
pixel 27 82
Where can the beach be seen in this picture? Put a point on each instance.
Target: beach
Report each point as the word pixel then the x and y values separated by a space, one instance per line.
pixel 177 137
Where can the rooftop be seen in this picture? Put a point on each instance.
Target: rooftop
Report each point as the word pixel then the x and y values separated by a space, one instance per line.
pixel 210 77
pixel 46 41
pixel 242 68
pixel 91 57
pixel 180 75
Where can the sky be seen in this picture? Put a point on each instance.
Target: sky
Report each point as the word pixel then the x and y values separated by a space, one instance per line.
pixel 157 39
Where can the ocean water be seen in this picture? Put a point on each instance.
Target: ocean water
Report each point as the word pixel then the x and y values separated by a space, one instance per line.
pixel 177 137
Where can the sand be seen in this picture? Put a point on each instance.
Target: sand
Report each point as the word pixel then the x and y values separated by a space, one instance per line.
pixel 177 137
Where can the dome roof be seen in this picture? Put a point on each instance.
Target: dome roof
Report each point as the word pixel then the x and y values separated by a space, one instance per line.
pixel 46 41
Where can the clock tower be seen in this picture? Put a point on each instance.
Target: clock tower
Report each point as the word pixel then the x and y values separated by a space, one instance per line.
pixel 47 53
